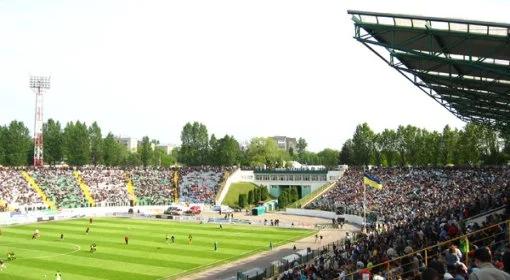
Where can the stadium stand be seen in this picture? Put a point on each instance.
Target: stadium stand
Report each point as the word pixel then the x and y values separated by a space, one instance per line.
pixel 410 193
pixel 417 208
pixel 15 191
pixel 107 185
pixel 200 184
pixel 391 255
pixel 153 186
pixel 60 186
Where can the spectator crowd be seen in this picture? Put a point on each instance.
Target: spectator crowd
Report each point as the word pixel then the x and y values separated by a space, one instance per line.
pixel 60 186
pixel 108 186
pixel 415 209
pixel 15 191
pixel 413 193
pixel 200 184
pixel 153 186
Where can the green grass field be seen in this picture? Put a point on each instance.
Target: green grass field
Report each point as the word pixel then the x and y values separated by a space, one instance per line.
pixel 232 197
pixel 147 256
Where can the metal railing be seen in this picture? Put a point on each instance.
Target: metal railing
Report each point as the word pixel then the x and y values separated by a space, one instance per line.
pixel 298 258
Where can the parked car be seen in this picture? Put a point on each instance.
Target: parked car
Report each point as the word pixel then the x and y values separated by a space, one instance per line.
pixel 224 209
pixel 173 210
pixel 194 210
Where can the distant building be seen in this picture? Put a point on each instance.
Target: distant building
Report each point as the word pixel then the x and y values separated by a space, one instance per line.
pixel 167 148
pixel 306 180
pixel 130 143
pixel 285 143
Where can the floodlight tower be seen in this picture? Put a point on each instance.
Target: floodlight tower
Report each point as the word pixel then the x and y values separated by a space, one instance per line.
pixel 39 84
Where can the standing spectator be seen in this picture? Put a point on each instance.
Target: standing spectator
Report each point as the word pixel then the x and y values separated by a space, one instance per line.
pixel 486 271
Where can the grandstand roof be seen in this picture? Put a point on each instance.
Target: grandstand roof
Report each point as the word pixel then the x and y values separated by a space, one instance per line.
pixel 464 65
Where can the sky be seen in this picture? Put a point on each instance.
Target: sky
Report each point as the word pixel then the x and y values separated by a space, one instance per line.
pixel 243 68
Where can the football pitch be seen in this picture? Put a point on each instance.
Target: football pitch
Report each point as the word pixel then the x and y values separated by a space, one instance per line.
pixel 147 256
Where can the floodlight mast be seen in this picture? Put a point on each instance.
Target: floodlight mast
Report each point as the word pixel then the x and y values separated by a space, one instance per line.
pixel 39 84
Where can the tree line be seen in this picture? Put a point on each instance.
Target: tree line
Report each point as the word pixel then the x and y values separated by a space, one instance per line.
pixel 408 145
pixel 258 194
pixel 197 148
pixel 79 144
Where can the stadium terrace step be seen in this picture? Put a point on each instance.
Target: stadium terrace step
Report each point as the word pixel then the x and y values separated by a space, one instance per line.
pixel 84 188
pixel 223 189
pixel 301 203
pixel 33 184
pixel 130 189
pixel 175 179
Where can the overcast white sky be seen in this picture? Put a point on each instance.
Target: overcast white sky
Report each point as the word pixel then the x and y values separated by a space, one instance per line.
pixel 247 68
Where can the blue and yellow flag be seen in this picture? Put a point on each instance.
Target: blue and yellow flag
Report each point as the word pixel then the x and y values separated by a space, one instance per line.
pixel 372 180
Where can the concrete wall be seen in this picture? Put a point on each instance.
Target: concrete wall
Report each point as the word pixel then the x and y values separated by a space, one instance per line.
pixel 238 176
pixel 10 218
pixel 353 219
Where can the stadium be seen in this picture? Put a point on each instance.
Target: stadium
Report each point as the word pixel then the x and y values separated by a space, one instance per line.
pixel 405 203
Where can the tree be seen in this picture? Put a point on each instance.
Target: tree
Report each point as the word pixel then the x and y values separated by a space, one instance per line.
pixel 250 197
pixel 227 151
pixel 301 145
pixel 257 195
pixel 408 145
pixel 347 153
pixel 492 147
pixel 448 144
pixel 291 152
pixel 195 144
pixel 16 144
pixel 387 144
pixel 265 152
pixel 264 193
pixel 293 195
pixel 329 157
pixel 506 146
pixel 363 144
pixel 175 154
pixel 114 153
pixel 96 144
pixel 432 148
pixel 3 132
pixel 469 146
pixel 309 158
pixel 161 158
pixel 213 151
pixel 145 151
pixel 242 200
pixel 76 144
pixel 283 199
pixel 53 142
pixel 132 160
